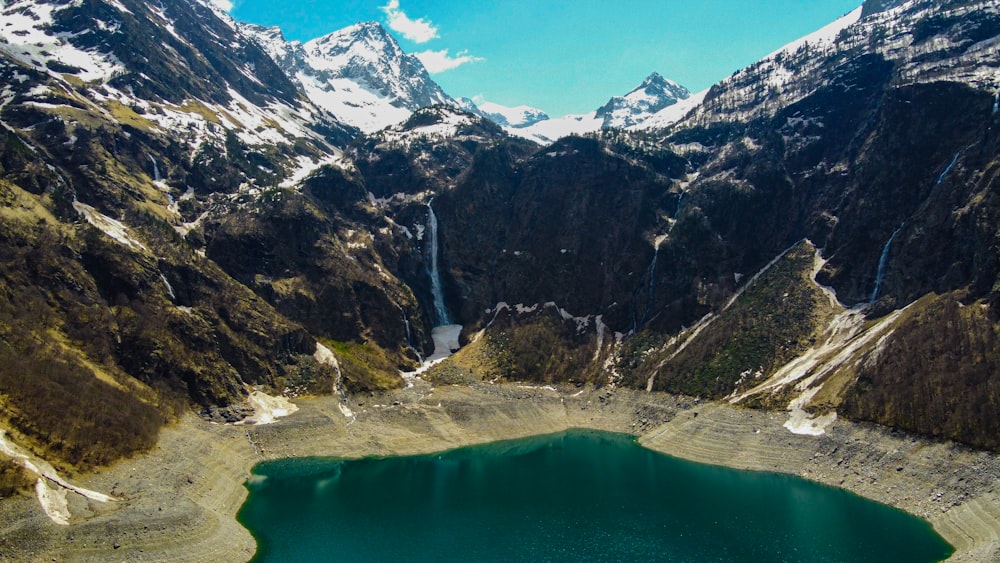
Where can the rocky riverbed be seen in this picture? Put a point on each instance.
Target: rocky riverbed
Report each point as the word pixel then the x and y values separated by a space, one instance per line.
pixel 179 502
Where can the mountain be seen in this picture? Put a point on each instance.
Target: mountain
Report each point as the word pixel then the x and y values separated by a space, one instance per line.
pixel 516 117
pixel 185 226
pixel 359 73
pixel 654 94
pixel 127 127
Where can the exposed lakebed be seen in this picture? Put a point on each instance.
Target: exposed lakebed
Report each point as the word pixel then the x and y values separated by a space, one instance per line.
pixel 577 495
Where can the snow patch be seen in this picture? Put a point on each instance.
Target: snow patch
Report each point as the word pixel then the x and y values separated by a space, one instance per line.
pixel 671 114
pixel 267 409
pixel 445 341
pixel 111 227
pixel 325 356
pixel 801 422
pixel 52 499
pixel 53 502
pixel 306 166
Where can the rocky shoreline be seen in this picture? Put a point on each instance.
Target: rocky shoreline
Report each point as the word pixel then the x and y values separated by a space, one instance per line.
pixel 179 502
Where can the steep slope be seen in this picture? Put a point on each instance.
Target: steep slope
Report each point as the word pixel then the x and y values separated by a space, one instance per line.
pixel 874 139
pixel 125 126
pixel 879 145
pixel 358 73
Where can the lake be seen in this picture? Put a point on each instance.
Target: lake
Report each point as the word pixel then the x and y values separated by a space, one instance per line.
pixel 579 495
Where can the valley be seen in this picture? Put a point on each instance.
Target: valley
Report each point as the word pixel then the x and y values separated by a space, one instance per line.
pixel 204 226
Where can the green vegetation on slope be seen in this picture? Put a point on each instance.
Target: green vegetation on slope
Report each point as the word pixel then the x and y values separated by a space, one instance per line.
pixel 938 373
pixel 539 347
pixel 775 319
pixel 366 367
pixel 13 477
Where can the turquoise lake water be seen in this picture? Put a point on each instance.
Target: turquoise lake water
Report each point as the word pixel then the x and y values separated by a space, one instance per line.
pixel 574 496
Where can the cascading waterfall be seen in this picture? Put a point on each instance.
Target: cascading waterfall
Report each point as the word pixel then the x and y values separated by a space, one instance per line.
pixel 996 102
pixel 170 288
pixel 882 261
pixel 409 337
pixel 156 169
pixel 651 275
pixel 437 291
pixel 947 169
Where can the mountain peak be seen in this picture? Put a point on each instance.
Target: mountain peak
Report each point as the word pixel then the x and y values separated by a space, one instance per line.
pixel 656 81
pixel 369 29
pixel 358 73
pixel 654 94
pixel 369 34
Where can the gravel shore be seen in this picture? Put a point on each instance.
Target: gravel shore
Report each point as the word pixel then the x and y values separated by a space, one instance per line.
pixel 179 502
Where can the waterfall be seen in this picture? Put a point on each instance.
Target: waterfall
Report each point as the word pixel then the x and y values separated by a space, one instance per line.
pixel 156 169
pixel 947 169
pixel 996 103
pixel 882 261
pixel 170 288
pixel 409 337
pixel 651 275
pixel 437 291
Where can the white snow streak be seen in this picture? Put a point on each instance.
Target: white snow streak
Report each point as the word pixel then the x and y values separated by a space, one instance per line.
pixel 111 227
pixel 52 499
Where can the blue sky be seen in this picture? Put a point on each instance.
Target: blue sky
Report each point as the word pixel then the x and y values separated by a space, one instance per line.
pixel 562 56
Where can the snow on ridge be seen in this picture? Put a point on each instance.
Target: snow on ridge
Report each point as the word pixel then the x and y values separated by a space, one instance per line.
pixel 791 73
pixel 654 94
pixel 448 126
pixel 826 34
pixel 358 73
pixel 631 111
pixel 306 166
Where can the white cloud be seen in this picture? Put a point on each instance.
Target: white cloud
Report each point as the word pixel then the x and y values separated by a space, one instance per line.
pixel 224 5
pixel 440 61
pixel 418 30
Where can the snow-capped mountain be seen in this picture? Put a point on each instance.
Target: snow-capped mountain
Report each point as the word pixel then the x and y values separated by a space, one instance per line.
pixel 924 52
pixel 516 117
pixel 654 94
pixel 358 73
pixel 620 112
pixel 176 65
